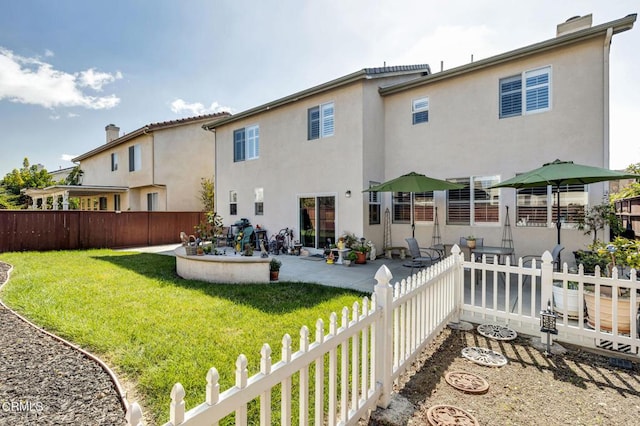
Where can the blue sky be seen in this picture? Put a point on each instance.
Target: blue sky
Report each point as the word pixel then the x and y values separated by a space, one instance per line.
pixel 69 68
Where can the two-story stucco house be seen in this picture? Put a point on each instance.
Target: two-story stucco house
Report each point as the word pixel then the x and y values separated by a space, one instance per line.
pixel 302 161
pixel 157 167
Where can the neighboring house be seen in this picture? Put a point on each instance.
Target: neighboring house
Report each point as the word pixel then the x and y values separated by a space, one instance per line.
pixel 302 161
pixel 157 167
pixel 61 174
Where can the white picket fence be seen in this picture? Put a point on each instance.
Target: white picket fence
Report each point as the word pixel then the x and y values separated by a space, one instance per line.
pixel 361 357
pixel 376 341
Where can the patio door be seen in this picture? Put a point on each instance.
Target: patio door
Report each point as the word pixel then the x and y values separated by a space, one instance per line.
pixel 317 221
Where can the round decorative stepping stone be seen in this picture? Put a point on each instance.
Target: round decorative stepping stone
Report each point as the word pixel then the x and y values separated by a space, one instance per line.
pixel 446 415
pixel 467 382
pixel 497 332
pixel 484 356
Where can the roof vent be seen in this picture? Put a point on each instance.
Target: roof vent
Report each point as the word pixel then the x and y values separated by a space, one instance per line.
pixel 573 24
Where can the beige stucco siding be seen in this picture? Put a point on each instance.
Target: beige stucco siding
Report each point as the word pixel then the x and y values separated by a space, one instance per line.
pixel 465 136
pixel 182 157
pixel 290 166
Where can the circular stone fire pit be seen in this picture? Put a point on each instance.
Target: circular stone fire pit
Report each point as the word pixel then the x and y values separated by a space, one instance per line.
pixel 223 269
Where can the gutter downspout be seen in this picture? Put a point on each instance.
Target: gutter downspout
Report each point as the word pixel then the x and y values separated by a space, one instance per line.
pixel 606 92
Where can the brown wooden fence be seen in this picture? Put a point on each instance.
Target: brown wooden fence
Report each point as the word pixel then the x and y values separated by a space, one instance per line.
pixel 22 230
pixel 628 210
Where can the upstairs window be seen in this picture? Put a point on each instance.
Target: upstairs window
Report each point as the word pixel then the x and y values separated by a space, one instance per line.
pixel 320 121
pixel 246 143
pixel 135 158
pixel 420 110
pixel 114 162
pixel 536 96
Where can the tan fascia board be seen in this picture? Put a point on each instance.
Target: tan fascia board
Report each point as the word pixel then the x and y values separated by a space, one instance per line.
pixel 115 142
pixel 618 26
pixel 141 131
pixel 330 85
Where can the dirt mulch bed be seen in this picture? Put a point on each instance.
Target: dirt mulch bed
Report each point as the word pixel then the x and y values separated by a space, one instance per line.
pixel 577 388
pixel 45 382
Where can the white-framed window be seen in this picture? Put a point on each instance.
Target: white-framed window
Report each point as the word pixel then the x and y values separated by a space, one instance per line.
pixel 114 161
pixel 258 201
pixel 536 207
pixel 116 202
pixel 135 158
pixel 374 205
pixel 246 143
pixel 233 202
pixel 420 110
pixel 536 96
pixel 476 203
pixel 320 121
pixel 152 201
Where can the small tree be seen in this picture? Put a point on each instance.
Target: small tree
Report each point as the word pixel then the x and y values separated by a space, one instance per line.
pixel 597 217
pixel 207 194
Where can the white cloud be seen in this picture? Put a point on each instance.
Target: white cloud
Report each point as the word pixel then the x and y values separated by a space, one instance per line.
pixel 31 81
pixel 48 53
pixel 54 117
pixel 179 106
pixel 95 80
pixel 67 157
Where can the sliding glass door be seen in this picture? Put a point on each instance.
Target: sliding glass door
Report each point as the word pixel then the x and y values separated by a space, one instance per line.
pixel 317 221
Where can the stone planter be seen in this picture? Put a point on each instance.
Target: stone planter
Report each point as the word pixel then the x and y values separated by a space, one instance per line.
pixel 606 316
pixel 565 307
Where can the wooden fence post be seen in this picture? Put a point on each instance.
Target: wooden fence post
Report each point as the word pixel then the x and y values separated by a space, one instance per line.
pixel 384 338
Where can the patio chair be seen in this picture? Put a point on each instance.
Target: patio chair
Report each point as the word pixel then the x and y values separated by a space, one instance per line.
pixel 421 257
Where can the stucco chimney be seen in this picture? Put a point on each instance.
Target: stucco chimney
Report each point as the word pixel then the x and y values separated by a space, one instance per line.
pixel 113 132
pixel 573 24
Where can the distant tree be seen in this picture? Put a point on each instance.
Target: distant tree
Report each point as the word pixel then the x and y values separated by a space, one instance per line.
pixel 75 176
pixel 29 176
pixel 631 190
pixel 207 193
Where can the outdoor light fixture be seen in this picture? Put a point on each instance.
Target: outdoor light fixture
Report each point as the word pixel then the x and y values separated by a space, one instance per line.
pixel 548 325
pixel 348 193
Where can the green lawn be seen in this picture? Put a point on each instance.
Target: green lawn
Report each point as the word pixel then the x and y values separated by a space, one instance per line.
pixel 154 328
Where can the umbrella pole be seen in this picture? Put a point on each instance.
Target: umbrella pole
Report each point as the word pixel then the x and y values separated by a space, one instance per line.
pixel 558 224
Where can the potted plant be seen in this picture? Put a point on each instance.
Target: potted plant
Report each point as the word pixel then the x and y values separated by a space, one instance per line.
pixel 623 254
pixel 471 242
pixel 361 249
pixel 274 269
pixel 568 306
pixel 350 258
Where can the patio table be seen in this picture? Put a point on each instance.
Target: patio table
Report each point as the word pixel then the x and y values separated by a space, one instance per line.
pixel 494 251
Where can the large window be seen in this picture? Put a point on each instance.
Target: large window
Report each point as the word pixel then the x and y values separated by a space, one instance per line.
pixel 135 158
pixel 374 205
pixel 476 203
pixel 412 207
pixel 537 206
pixel 536 96
pixel 246 143
pixel 320 121
pixel 420 110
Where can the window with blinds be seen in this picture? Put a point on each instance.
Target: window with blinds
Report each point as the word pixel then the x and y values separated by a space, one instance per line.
pixel 536 96
pixel 420 110
pixel 320 121
pixel 537 206
pixel 476 203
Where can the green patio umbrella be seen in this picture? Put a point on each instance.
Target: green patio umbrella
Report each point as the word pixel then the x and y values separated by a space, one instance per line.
pixel 414 182
pixel 562 173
